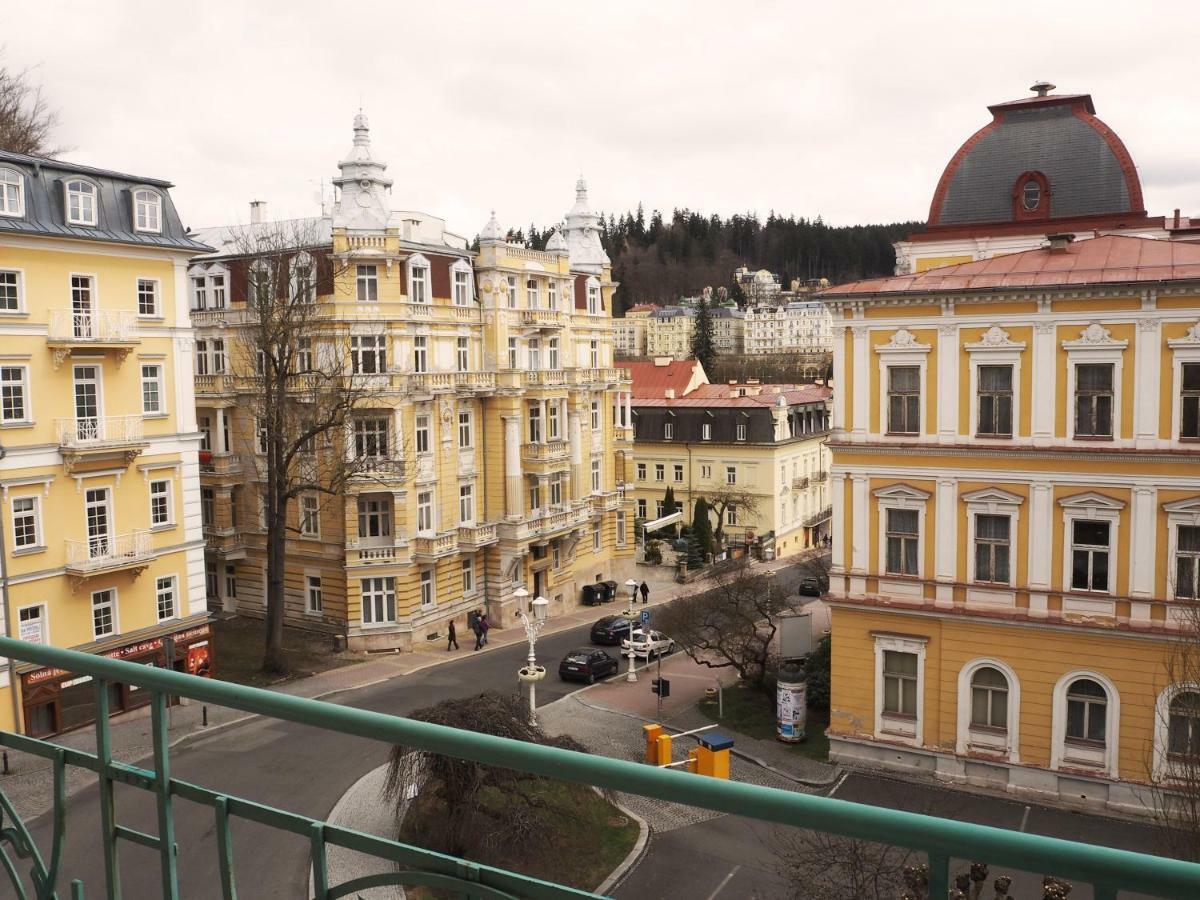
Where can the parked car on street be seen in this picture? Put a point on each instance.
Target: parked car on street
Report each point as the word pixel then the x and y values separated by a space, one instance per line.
pixel 587 664
pixel 649 644
pixel 813 586
pixel 610 630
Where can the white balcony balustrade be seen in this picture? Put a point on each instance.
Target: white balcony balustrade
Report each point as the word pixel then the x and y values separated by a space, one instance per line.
pixel 108 552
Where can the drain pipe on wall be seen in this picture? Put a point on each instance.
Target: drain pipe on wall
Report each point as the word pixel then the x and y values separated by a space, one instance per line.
pixel 12 665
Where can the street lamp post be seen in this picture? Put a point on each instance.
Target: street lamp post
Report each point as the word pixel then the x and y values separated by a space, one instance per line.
pixel 531 673
pixel 631 615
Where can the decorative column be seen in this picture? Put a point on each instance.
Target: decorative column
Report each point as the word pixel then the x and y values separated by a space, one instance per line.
pixel 947 384
pixel 1041 530
pixel 1044 372
pixel 838 522
pixel 862 380
pixel 945 533
pixel 860 519
pixel 513 499
pixel 1146 382
pixel 839 381
pixel 575 424
pixel 218 439
pixel 1144 565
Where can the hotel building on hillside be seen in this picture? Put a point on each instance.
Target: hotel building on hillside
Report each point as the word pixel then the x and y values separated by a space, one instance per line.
pixel 1016 512
pixel 498 430
pixel 796 327
pixel 629 332
pixel 669 332
pixel 98 477
pixel 702 439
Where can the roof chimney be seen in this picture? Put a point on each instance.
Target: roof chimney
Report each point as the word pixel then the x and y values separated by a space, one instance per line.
pixel 1176 225
pixel 258 209
pixel 1059 242
pixel 1042 88
pixel 660 361
pixel 669 393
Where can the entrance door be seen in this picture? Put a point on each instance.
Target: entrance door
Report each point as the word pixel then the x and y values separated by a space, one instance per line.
pixel 81 306
pixel 99 522
pixel 539 579
pixel 87 403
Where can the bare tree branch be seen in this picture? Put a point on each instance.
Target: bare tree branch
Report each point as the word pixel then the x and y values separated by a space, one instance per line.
pixel 26 118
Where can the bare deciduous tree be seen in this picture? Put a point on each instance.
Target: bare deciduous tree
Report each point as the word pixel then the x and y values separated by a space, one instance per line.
pixel 730 497
pixel 732 626
pixel 26 118
pixel 303 392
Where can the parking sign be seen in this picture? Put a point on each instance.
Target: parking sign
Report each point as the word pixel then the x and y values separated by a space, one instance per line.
pixel 645 617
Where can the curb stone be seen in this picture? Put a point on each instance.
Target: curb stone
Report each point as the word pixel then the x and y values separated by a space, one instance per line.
pixel 635 854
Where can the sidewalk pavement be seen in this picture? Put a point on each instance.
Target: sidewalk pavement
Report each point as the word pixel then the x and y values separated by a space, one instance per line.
pixel 29 785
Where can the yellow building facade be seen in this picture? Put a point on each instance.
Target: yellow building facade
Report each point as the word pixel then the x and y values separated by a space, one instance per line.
pixel 98 477
pixel 496 423
pixel 1016 519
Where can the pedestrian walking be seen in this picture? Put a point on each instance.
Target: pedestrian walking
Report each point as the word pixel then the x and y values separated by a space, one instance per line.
pixel 645 589
pixel 452 638
pixel 478 629
pixel 484 626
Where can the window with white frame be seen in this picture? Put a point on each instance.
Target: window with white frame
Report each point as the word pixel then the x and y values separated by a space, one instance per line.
pixel 989 699
pixel 706 471
pixel 595 414
pixel 1187 562
pixel 462 286
pixel 731 515
pixel 368 354
pixel 531 293
pixel 899 686
pixel 374 517
pixel 620 528
pixel 425 511
pixel 463 347
pixel 420 354
pixel 418 280
pixel 147 297
pixel 314 598
pixel 152 390
pixel 31 624
pixel 26 522
pixel 678 472
pixel 741 431
pixel 427 595
pixel 263 438
pixel 1087 712
pixel 512 291
pixel 468 575
pixel 378 600
pixel 593 299
pixel 594 354
pixel 199 292
pixel 1189 400
pixel 659 509
pixel 310 515
pixel 994 401
pixel 596 476
pixel 706 431
pixel 1090 549
pixel 512 353
pixel 552 360
pixel 216 284
pixel 552 297
pixel 597 539
pixel 104 613
pixel 12 193
pixel 903 542
pixel 641 471
pixel 367 283
pixel 535 424
pixel 465 437
pixel 371 437
pixel 904 400
pixel 14 394
pixel 422 435
pixel 1183 728
pixel 668 431
pixel 304 354
pixel 302 275
pixel 1094 400
pixel 160 502
pixel 641 508
pixel 731 474
pixel 552 420
pixel 81 202
pixel 164 596
pixel 147 210
pixel 466 504
pixel 993 549
pixel 535 497
pixel 10 290
pixel 660 472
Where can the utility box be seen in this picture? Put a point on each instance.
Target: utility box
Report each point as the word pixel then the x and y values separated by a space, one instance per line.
pixel 795 635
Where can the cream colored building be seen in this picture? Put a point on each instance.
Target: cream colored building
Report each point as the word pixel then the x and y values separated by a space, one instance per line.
pixel 669 332
pixel 497 432
pixel 629 332
pixel 728 330
pixel 798 327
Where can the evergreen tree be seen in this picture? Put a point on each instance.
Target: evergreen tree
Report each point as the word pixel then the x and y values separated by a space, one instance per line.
pixel 702 529
pixel 669 501
pixel 695 553
pixel 703 349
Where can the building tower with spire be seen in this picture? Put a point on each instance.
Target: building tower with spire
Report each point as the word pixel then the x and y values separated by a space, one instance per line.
pixel 582 231
pixel 363 189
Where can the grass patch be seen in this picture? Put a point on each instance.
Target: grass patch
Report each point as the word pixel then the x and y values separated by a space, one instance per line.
pixel 239 643
pixel 752 713
pixel 587 836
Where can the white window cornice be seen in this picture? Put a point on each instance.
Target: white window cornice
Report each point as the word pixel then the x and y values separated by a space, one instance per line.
pixel 1089 503
pixel 995 340
pixel 991 499
pixel 1107 760
pixel 1094 338
pixel 903 341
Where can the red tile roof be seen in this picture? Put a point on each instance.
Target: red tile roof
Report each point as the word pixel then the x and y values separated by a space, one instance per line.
pixel 650 380
pixel 1111 259
pixel 726 395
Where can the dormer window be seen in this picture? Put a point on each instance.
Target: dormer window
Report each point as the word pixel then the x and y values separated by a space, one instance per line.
pixel 147 211
pixel 81 203
pixel 12 193
pixel 1031 196
pixel 418 279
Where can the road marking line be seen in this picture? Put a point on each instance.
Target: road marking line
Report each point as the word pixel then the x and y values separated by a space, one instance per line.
pixel 724 881
pixel 1024 819
pixel 838 784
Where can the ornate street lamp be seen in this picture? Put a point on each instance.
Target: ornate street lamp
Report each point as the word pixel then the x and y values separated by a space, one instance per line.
pixel 531 673
pixel 632 615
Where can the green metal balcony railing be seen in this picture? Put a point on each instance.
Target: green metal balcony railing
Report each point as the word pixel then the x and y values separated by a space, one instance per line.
pixel 942 840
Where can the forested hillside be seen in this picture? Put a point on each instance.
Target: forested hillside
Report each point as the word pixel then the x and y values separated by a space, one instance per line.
pixel 660 260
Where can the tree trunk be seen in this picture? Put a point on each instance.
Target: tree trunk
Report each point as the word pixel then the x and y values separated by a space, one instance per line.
pixel 276 557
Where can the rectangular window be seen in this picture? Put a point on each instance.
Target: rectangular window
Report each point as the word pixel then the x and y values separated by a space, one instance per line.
pixel 378 600
pixel 660 472
pixel 374 517
pixel 368 284
pixel 422 433
pixel 425 511
pixel 466 504
pixel 464 354
pixel 14 403
pixel 993 548
pixel 706 471
pixel 556 489
pixel 706 431
pixel 208 507
pixel 1187 562
pixel 31 625
pixel 899 683
pixel 641 471
pixel 995 401
pixel 668 431
pixel 427 589
pixel 1089 555
pixel 596 475
pixel 462 288
pixel 216 284
pixel 531 292
pixel 593 302
pixel 535 424
pixel 420 354
pixel 160 502
pixel 535 497
pixel 553 295
pixel 1094 400
pixel 370 438
pixel 310 516
pixel 202 358
pixel 304 354
pixel 594 354
pixel 25 522
pixel 552 362
pixel 368 354
pixel 231 582
pixel 620 529
pixel 1189 413
pixel 164 595
pixel 147 297
pixel 731 474
pixel 465 439
pixel 10 291
pixel 152 390
pixel 597 541
pixel 512 291
pixel 641 508
pixel 903 540
pixel 104 613
pixel 595 415
pixel 535 354
pixel 420 284
pixel 468 576
pixel 512 353
pixel 264 439
pixel 678 472
pixel 904 400
pixel 741 431
pixel 314 600
pixel 552 419
pixel 731 517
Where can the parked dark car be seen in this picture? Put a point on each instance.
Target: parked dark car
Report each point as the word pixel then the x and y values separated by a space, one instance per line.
pixel 587 664
pixel 610 630
pixel 813 586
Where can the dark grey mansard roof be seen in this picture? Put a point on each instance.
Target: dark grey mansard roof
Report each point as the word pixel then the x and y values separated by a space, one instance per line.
pixel 45 214
pixel 1085 174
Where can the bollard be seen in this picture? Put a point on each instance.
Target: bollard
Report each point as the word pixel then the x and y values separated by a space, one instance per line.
pixel 204 716
pixel 652 732
pixel 5 762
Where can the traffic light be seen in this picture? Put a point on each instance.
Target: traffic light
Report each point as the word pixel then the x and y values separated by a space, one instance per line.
pixel 661 687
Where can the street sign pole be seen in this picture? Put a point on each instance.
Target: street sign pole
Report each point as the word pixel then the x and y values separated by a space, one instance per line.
pixel 647 614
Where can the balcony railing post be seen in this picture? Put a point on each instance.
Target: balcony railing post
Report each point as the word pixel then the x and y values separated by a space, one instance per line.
pixel 108 808
pixel 162 791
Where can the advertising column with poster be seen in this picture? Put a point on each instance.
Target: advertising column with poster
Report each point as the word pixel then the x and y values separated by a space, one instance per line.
pixel 791 703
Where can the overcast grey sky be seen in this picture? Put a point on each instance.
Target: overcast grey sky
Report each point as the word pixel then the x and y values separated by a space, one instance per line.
pixel 845 110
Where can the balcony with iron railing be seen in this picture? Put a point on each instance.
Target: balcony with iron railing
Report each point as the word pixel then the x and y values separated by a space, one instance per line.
pixel 109 553
pixel 818 517
pixel 72 331
pixel 230 825
pixel 100 437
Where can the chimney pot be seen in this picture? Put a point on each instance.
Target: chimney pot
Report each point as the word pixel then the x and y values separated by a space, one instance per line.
pixel 1059 242
pixel 258 209
pixel 1176 218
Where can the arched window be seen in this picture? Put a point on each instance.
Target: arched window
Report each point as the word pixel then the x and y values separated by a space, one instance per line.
pixel 989 699
pixel 147 210
pixel 1183 727
pixel 1087 712
pixel 1086 723
pixel 12 193
pixel 81 202
pixel 1031 196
